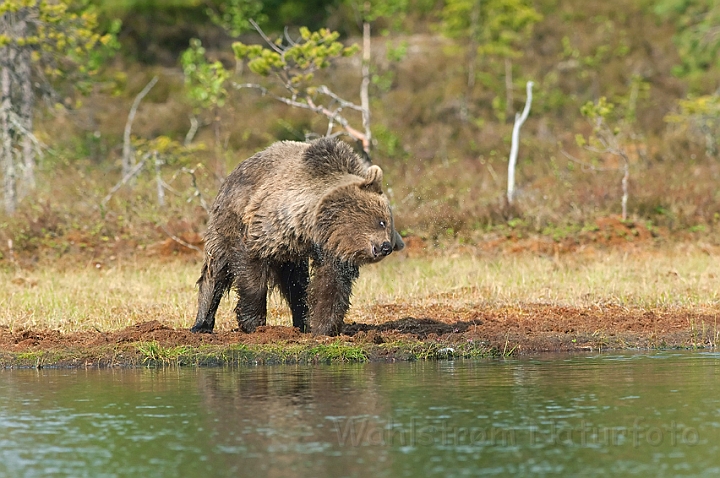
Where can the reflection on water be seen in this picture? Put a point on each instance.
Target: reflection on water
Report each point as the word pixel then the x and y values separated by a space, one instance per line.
pixel 644 415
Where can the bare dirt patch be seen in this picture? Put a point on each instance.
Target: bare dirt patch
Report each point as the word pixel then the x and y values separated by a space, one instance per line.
pixel 518 329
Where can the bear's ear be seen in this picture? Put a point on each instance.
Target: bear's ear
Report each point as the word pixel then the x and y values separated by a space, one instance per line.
pixel 373 179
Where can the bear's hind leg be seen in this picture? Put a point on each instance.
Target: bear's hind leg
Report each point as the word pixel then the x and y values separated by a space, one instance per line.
pixel 293 279
pixel 329 295
pixel 214 281
pixel 251 284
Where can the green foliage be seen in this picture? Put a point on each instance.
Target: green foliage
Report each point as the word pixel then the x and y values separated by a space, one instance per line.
pixel 489 30
pixel 601 114
pixel 697 38
pixel 295 62
pixel 204 81
pixel 277 14
pixel 594 110
pixel 502 25
pixel 371 10
pixel 63 38
pixel 234 15
pixel 613 44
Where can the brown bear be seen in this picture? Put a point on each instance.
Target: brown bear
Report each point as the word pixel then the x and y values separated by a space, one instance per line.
pixel 302 217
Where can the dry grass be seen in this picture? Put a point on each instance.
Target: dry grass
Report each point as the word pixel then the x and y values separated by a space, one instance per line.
pixel 680 277
pixel 125 293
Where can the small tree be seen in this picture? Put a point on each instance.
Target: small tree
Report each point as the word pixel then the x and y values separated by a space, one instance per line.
pixel 606 140
pixel 291 65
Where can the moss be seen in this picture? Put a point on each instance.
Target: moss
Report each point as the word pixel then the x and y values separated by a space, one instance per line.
pixel 153 354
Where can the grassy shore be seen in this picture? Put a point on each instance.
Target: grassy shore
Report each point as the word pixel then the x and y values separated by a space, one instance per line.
pixel 121 293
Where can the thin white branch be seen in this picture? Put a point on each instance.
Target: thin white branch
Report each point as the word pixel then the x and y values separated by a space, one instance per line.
pixel 194 125
pixel 625 182
pixel 265 37
pixel 519 120
pixel 158 179
pixel 310 105
pixel 344 103
pixel 128 125
pixel 290 41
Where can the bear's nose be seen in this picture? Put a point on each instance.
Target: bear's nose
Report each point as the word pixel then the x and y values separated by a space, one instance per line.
pixel 386 248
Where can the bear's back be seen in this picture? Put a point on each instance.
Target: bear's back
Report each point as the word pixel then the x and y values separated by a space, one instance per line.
pixel 328 156
pixel 288 162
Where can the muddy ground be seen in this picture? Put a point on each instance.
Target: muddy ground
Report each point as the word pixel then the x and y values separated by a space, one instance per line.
pixel 402 333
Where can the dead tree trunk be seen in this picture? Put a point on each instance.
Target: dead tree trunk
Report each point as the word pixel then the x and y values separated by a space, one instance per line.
pixel 364 88
pixel 8 162
pixel 27 101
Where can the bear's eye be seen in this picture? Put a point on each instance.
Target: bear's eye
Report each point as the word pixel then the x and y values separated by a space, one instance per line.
pixel 382 224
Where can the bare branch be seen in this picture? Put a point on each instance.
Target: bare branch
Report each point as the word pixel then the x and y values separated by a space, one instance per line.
pixel 135 169
pixel 197 194
pixel 158 179
pixel 287 37
pixel 310 105
pixel 179 241
pixel 194 125
pixel 128 125
pixel 344 103
pixel 265 37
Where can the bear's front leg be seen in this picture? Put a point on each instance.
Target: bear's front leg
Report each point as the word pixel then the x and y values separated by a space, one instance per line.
pixel 214 281
pixel 293 279
pixel 251 285
pixel 329 295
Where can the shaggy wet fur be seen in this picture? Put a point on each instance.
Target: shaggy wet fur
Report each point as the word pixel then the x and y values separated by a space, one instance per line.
pixel 302 217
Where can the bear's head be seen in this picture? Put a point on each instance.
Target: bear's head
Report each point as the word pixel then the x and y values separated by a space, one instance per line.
pixel 354 221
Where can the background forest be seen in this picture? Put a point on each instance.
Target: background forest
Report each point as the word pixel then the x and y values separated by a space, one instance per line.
pixel 120 119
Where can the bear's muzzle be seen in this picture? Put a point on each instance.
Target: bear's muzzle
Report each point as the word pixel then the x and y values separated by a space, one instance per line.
pixel 383 250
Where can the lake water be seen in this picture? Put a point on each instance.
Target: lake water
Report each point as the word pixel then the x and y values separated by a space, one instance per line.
pixel 611 414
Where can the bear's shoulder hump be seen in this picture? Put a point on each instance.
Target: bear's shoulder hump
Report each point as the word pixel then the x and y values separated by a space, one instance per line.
pixel 329 155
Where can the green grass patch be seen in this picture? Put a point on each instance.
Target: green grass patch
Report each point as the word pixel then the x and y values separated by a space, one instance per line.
pixel 153 354
pixel 338 352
